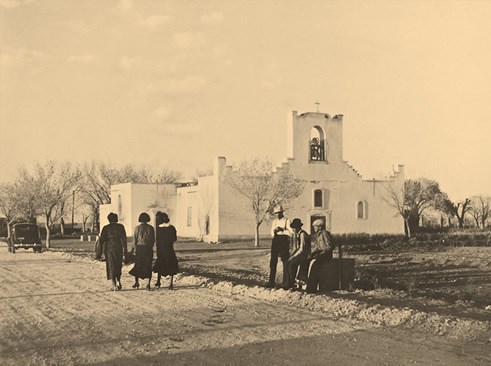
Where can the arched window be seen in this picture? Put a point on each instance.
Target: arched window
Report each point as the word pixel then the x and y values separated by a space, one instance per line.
pixel 317 144
pixel 318 198
pixel 361 210
pixel 120 206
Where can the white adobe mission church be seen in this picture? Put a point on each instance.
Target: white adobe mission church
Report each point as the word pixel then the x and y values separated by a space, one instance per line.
pixel 212 211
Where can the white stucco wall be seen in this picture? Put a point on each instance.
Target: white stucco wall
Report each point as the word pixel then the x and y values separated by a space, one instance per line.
pixel 229 214
pixel 187 197
pixel 138 198
pixel 104 210
pixel 208 206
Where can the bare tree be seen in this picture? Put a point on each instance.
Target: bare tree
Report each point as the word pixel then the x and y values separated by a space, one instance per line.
pixel 54 183
pixel 396 198
pixel 8 204
pixel 98 177
pixel 202 173
pixel 479 210
pixel 130 173
pixel 458 209
pixel 263 188
pixel 25 194
pixel 86 215
pixel 419 195
pixel 413 199
pixel 166 176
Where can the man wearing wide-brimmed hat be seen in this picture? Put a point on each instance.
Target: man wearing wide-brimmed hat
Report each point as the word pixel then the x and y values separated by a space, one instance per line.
pixel 301 243
pixel 280 246
pixel 322 247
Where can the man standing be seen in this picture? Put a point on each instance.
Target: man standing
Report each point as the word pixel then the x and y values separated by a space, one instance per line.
pixel 280 246
pixel 322 247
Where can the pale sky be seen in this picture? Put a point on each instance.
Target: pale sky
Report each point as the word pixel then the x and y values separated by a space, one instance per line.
pixel 176 83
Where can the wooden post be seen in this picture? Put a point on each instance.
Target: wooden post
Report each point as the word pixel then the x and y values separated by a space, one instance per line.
pixel 340 267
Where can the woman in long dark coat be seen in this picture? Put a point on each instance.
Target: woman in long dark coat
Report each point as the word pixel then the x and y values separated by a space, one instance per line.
pixel 113 240
pixel 166 263
pixel 143 239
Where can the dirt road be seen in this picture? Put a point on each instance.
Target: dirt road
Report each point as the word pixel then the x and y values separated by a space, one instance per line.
pixel 56 309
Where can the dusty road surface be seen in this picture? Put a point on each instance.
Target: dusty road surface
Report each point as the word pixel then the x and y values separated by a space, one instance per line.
pixel 57 309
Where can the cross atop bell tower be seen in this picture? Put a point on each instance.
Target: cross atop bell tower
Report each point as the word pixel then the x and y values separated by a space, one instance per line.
pixel 317 104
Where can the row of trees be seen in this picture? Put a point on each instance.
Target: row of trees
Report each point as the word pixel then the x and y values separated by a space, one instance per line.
pixel 421 195
pixel 50 188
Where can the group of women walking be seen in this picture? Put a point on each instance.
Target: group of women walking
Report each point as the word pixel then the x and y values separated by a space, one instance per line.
pixel 113 240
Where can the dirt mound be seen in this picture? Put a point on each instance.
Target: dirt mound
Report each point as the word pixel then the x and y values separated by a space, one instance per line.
pixel 463 329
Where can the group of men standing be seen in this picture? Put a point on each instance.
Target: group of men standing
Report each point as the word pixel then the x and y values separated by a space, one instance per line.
pixel 302 265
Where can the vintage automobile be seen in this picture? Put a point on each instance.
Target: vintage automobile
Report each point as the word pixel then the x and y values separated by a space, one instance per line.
pixel 26 236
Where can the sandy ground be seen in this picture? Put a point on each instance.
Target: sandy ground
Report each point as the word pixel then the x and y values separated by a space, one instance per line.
pixel 56 309
pixel 453 282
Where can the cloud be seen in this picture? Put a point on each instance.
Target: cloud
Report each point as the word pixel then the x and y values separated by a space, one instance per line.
pixel 153 21
pixel 10 4
pixel 124 7
pixel 212 18
pixel 188 40
pixel 17 57
pixel 82 59
pixel 189 85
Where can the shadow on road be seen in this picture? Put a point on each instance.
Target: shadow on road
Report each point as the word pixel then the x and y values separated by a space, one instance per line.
pixel 368 347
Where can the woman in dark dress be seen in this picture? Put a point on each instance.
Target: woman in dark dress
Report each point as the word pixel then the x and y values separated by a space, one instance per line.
pixel 113 240
pixel 166 263
pixel 143 239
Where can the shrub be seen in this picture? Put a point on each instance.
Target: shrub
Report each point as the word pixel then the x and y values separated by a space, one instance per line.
pixel 363 242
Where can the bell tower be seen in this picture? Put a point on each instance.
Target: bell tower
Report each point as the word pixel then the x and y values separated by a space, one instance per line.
pixel 315 138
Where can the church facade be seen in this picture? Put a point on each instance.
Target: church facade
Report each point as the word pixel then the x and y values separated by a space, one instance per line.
pixel 212 211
